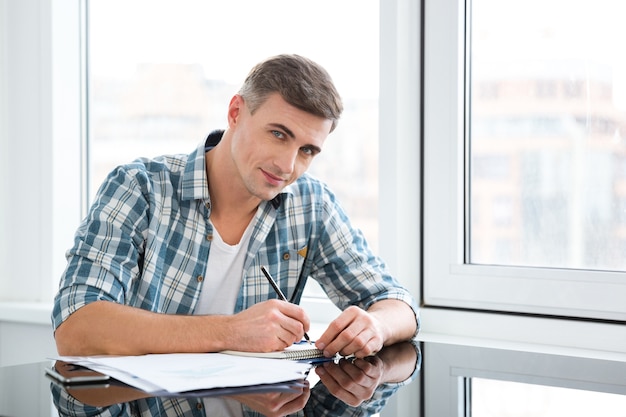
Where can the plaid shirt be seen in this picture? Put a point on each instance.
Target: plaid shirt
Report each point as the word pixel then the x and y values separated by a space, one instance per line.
pixel 146 240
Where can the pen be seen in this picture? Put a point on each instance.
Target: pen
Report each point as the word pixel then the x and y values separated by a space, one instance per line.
pixel 279 292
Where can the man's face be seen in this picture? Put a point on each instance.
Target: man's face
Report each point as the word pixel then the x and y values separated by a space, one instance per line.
pixel 274 146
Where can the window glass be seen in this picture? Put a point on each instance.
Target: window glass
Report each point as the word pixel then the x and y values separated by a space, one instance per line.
pixel 161 74
pixel 547 133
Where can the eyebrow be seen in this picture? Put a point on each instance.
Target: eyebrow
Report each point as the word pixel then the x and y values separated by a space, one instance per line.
pixel 292 135
pixel 285 128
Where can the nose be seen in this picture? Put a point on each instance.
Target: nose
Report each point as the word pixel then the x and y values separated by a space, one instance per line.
pixel 286 161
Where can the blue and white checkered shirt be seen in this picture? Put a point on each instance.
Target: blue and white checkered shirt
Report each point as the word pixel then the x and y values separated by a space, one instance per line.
pixel 146 240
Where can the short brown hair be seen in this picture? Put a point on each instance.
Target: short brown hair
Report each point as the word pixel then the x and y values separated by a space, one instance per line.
pixel 301 82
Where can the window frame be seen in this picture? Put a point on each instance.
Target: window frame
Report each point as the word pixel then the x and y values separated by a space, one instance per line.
pixel 449 281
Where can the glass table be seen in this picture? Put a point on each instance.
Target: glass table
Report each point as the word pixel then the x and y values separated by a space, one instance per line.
pixel 408 379
pixel 335 388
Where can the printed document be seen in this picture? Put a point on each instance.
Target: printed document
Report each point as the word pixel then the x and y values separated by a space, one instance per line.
pixel 180 372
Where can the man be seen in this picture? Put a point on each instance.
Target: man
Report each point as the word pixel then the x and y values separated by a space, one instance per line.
pixel 168 258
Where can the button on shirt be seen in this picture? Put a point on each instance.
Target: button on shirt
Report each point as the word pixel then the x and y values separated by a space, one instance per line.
pixel 146 240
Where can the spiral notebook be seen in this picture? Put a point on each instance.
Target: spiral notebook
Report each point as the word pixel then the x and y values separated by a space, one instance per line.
pixel 297 352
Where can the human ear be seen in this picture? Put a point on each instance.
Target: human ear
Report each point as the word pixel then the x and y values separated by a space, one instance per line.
pixel 235 108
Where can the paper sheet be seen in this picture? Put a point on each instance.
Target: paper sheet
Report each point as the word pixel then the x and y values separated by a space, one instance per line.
pixel 179 372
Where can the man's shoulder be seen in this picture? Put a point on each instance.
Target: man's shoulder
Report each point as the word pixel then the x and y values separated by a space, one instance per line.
pixel 162 166
pixel 147 173
pixel 307 186
pixel 174 163
pixel 309 190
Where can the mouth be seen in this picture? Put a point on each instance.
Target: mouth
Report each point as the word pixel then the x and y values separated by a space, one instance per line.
pixel 272 179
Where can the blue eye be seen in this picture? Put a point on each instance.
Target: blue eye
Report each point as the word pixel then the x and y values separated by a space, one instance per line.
pixel 309 150
pixel 278 134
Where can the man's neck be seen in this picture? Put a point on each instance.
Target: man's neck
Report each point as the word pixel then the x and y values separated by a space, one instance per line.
pixel 232 207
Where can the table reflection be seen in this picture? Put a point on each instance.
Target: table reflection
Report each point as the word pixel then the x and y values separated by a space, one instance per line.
pixel 346 387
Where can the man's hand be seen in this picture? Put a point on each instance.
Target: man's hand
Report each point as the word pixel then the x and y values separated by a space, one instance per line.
pixel 355 380
pixel 277 404
pixel 268 326
pixel 363 333
pixel 354 332
pixel 352 381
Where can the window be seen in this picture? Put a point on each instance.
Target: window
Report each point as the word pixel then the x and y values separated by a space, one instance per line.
pixel 161 89
pixel 532 219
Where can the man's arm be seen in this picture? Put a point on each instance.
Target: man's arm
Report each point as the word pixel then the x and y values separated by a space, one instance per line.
pixel 104 327
pixel 363 333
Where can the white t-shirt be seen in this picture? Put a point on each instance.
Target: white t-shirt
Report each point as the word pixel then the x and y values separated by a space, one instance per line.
pixel 222 281
pixel 223 275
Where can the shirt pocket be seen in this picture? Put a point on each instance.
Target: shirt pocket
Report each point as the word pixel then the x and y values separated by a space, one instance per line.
pixel 290 265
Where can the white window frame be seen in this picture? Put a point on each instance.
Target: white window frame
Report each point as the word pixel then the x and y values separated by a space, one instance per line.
pixel 399 139
pixel 448 280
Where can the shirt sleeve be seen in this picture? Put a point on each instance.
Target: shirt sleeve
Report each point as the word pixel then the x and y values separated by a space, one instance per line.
pixel 108 245
pixel 347 268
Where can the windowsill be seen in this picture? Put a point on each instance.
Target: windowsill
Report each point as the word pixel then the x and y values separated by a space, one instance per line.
pixel 532 334
pixel 25 312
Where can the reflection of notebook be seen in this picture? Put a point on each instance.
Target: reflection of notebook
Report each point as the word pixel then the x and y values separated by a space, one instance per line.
pixel 297 351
